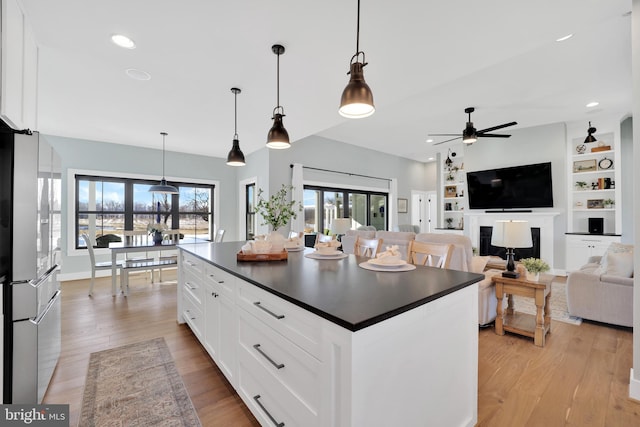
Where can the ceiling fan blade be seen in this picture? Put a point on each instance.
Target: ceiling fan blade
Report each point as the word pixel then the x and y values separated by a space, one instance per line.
pixel 442 142
pixel 444 134
pixel 493 135
pixel 497 127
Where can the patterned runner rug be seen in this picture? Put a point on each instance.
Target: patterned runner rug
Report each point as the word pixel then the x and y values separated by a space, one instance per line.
pixel 136 385
pixel 558 302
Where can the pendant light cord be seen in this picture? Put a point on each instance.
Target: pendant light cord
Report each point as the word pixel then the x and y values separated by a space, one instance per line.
pixel 278 82
pixel 235 116
pixel 163 135
pixel 358 31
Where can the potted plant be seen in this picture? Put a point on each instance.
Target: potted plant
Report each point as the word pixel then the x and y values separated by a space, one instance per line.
pixel 581 185
pixel 534 267
pixel 156 230
pixel 608 203
pixel 276 212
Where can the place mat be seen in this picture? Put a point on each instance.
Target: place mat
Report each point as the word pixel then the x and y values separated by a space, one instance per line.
pixel 314 255
pixel 136 385
pixel 405 267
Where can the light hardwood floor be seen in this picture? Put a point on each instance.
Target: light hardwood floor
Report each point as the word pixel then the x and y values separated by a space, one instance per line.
pixel 580 378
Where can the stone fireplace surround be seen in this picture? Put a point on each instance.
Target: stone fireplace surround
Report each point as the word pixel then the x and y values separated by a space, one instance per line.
pixel 544 220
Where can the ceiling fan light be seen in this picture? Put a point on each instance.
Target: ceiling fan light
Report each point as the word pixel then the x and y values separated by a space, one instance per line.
pixel 278 137
pixel 357 99
pixel 235 157
pixel 469 134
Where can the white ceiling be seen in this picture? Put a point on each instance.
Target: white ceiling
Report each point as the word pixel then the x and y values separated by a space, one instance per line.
pixel 428 60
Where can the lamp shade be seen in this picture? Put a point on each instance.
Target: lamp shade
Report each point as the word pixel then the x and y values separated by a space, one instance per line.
pixel 357 99
pixel 340 225
pixel 511 234
pixel 235 157
pixel 278 136
pixel 163 188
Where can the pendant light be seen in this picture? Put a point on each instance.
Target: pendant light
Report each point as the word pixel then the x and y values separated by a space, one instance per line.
pixel 235 157
pixel 278 137
pixel 163 187
pixel 449 162
pixel 357 99
pixel 590 132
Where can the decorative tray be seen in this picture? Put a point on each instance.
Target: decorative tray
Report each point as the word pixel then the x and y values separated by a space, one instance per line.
pixel 271 256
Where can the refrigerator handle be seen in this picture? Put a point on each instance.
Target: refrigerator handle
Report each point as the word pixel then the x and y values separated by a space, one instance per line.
pixel 36 282
pixel 41 316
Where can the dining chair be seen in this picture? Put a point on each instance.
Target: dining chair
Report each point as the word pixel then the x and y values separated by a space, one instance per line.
pixel 429 254
pixel 170 255
pixel 323 238
pixel 219 235
pixel 106 265
pixel 367 247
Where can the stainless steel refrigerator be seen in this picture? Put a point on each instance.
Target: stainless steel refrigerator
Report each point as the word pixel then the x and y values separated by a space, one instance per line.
pixel 30 231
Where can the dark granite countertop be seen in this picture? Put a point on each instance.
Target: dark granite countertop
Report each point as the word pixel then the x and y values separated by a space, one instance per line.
pixel 337 290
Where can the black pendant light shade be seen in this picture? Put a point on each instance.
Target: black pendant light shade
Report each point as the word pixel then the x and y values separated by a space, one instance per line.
pixel 163 187
pixel 449 162
pixel 469 134
pixel 590 132
pixel 235 157
pixel 357 100
pixel 278 137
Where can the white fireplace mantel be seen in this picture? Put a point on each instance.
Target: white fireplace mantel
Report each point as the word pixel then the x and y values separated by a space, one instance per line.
pixel 544 220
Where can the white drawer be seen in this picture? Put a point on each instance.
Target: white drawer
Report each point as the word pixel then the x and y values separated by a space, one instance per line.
pixel 222 280
pixel 193 285
pixel 191 263
pixel 270 402
pixel 295 323
pixel 192 314
pixel 294 368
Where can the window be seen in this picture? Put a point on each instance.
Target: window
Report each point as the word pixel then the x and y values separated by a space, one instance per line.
pixel 250 203
pixel 322 205
pixel 106 206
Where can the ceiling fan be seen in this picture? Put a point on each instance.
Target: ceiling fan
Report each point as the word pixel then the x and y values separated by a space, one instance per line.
pixel 471 135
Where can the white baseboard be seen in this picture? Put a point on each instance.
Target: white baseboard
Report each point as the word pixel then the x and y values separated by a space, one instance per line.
pixel 634 387
pixel 81 275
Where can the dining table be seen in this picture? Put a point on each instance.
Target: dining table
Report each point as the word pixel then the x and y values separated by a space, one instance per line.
pixel 126 247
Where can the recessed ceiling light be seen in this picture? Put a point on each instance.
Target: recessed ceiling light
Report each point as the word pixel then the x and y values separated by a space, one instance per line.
pixel 593 104
pixel 138 74
pixel 567 37
pixel 123 41
pixel 430 159
pixel 429 140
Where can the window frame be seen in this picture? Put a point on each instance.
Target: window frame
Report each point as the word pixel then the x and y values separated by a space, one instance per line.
pixel 72 203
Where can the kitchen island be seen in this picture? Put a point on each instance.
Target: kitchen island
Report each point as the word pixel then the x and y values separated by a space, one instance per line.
pixel 327 343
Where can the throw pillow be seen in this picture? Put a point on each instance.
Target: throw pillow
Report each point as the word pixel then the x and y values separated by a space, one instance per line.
pixel 619 264
pixel 478 263
pixel 614 248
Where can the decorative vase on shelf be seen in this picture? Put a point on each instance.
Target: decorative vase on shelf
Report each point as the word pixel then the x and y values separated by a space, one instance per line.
pixel 277 241
pixel 157 238
pixel 533 277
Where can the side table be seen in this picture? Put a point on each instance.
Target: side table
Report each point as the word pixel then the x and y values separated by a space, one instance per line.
pixel 528 325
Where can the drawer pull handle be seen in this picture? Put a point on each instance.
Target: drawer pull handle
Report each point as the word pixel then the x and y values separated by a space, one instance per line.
pixel 190 286
pixel 213 294
pixel 188 312
pixel 273 420
pixel 277 316
pixel 192 264
pixel 276 365
pixel 216 280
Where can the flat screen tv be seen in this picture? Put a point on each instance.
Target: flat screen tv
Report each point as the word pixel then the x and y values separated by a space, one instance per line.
pixel 517 187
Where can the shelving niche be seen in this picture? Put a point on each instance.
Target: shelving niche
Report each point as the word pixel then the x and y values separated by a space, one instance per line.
pixel 453 195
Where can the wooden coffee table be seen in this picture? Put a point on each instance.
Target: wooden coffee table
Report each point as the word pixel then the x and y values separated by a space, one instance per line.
pixel 536 326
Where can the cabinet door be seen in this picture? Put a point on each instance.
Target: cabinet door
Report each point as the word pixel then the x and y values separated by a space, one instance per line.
pixel 12 63
pixel 212 320
pixel 30 81
pixel 578 252
pixel 228 337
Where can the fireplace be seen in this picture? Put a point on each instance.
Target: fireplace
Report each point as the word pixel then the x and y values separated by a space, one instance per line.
pixel 486 248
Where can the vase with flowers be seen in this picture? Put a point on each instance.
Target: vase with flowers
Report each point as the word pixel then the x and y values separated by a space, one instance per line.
pixel 155 231
pixel 277 211
pixel 534 267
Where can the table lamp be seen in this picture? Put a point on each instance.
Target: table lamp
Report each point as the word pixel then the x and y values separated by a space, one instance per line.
pixel 511 234
pixel 339 226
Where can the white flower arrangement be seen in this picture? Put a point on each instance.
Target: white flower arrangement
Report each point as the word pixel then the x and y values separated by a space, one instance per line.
pixel 158 227
pixel 535 265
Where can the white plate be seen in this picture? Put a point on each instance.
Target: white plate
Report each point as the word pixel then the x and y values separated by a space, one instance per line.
pixel 395 264
pixel 372 267
pixel 295 248
pixel 334 253
pixel 315 255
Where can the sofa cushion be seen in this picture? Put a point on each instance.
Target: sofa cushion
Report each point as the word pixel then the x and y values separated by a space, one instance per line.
pixel 617 261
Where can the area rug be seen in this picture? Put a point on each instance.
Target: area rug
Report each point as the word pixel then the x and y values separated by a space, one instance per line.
pixel 136 385
pixel 558 303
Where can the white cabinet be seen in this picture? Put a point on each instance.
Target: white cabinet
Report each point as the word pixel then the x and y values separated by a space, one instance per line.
pixel 220 319
pixel 582 246
pixel 19 86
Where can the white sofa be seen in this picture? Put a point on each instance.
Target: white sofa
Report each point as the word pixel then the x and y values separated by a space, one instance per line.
pixel 602 289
